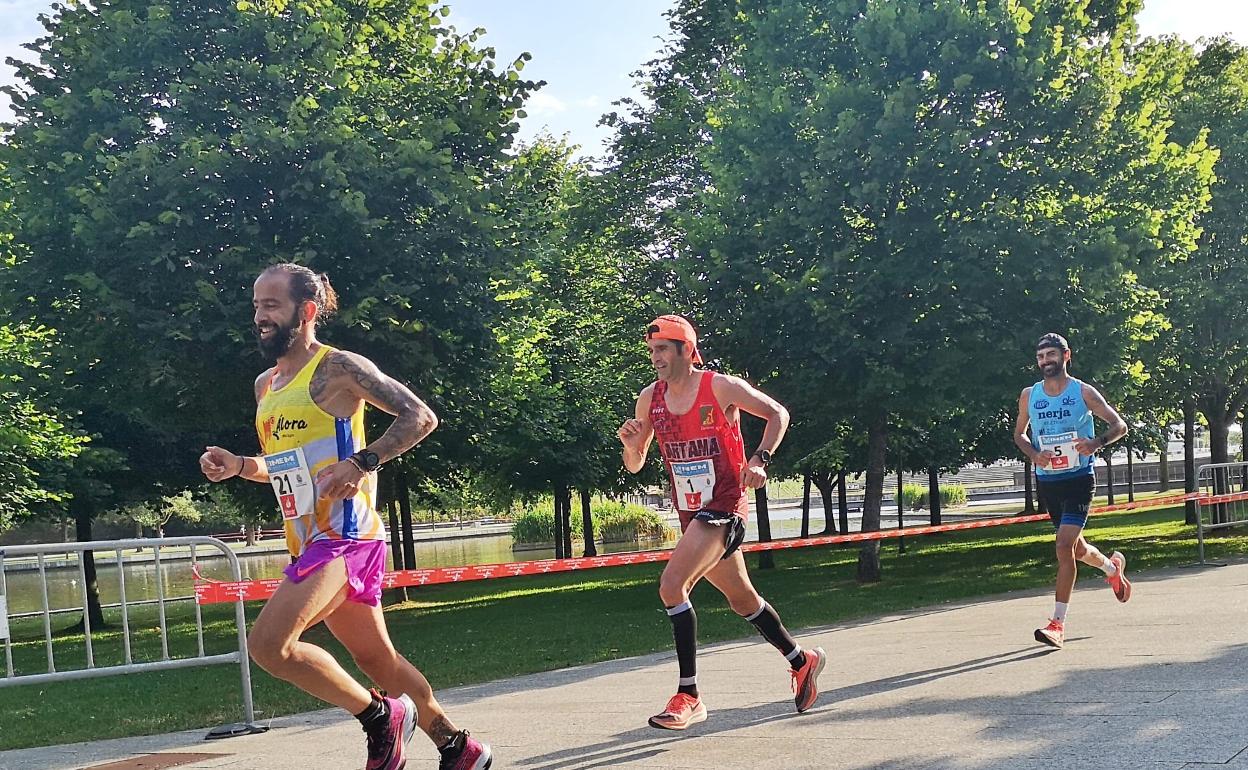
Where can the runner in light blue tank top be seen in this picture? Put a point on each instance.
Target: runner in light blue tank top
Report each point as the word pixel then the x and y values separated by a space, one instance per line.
pixel 1056 423
pixel 1058 410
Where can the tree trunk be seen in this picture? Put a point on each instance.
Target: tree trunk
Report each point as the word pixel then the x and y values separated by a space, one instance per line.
pixel 1163 462
pixel 869 554
pixel 396 546
pixel 587 523
pixel 766 560
pixel 901 510
pixel 1219 434
pixel 842 501
pixel 83 516
pixel 933 496
pixel 806 503
pixel 405 512
pixel 1029 504
pixel 252 532
pixel 1243 450
pixel 1130 475
pixel 1109 475
pixel 559 552
pixel 825 481
pixel 567 522
pixel 1189 457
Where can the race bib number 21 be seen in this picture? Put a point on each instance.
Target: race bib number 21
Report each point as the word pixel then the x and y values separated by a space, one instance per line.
pixel 292 483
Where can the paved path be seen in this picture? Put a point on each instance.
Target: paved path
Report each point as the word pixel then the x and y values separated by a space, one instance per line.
pixel 1158 684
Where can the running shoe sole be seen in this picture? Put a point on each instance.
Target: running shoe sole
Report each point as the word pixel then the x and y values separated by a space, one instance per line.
pixel 1043 638
pixel 1121 563
pixel 814 679
pixel 694 718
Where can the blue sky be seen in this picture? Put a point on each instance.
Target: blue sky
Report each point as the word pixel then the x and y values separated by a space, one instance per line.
pixel 586 50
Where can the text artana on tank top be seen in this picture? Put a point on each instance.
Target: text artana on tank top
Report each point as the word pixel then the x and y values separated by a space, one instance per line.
pixel 299 440
pixel 703 451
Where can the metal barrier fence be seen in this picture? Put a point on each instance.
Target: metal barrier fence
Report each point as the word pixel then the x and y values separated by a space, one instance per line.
pixel 40 553
pixel 1221 501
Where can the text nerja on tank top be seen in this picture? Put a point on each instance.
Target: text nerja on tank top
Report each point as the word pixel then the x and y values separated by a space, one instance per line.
pixel 703 451
pixel 288 418
pixel 1056 422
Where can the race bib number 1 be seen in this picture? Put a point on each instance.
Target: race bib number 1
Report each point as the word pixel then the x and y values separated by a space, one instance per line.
pixel 1062 445
pixel 695 484
pixel 292 483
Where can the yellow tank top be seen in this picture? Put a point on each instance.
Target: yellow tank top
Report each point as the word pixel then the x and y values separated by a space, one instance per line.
pixel 287 418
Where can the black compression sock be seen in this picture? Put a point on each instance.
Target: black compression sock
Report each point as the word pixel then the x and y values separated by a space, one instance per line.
pixel 685 632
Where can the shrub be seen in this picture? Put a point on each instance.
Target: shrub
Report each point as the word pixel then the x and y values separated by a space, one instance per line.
pixel 613 522
pixel 915 495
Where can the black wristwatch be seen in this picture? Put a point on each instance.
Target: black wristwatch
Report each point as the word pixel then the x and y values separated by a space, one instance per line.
pixel 365 460
pixel 764 456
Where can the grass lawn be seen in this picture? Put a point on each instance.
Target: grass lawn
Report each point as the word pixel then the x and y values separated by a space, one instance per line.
pixel 479 631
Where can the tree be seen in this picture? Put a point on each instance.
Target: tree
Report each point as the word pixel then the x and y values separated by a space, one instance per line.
pixel 191 145
pixel 33 437
pixel 881 192
pixel 155 515
pixel 163 154
pixel 572 344
pixel 1207 296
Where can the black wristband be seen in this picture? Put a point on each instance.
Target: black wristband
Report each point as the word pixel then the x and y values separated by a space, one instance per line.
pixel 242 466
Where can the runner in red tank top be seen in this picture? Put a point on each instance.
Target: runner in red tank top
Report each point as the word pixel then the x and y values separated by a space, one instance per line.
pixel 696 417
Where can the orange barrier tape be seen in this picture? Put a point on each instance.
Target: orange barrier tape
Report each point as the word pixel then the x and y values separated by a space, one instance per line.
pixel 214 592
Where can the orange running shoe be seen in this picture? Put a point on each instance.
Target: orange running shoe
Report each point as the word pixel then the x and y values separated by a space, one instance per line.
pixel 806 678
pixel 681 711
pixel 1051 634
pixel 1118 581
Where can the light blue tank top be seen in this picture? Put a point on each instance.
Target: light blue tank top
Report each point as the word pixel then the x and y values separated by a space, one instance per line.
pixel 1056 421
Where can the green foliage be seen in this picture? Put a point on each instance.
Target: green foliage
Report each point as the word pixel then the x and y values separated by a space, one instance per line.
pixel 613 522
pixel 1204 352
pixel 163 153
pixel 37 442
pixel 571 341
pixel 859 198
pixel 916 495
pixel 155 514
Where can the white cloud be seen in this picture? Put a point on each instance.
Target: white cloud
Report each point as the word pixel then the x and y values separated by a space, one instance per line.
pixel 545 103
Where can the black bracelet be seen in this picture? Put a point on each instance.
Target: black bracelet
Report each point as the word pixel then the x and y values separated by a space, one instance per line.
pixel 358 465
pixel 242 466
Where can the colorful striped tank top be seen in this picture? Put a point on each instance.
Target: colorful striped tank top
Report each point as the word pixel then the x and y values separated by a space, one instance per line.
pixel 288 418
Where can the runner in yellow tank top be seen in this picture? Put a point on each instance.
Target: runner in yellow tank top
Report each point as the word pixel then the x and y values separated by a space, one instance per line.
pixel 310 421
pixel 288 419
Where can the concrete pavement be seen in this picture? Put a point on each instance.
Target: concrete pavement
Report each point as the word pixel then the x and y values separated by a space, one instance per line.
pixel 1158 684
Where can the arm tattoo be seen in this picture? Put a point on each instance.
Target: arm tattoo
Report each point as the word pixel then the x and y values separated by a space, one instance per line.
pixel 413 419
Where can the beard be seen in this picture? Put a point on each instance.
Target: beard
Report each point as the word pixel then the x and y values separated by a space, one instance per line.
pixel 278 343
pixel 1051 370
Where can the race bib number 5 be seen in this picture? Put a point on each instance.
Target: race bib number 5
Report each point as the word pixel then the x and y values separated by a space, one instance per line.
pixel 695 484
pixel 292 483
pixel 1062 445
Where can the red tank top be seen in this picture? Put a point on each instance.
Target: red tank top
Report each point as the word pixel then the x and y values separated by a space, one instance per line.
pixel 703 452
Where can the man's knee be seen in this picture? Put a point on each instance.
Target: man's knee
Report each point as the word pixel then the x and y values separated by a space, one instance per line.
pixel 673 589
pixel 269 651
pixel 1065 547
